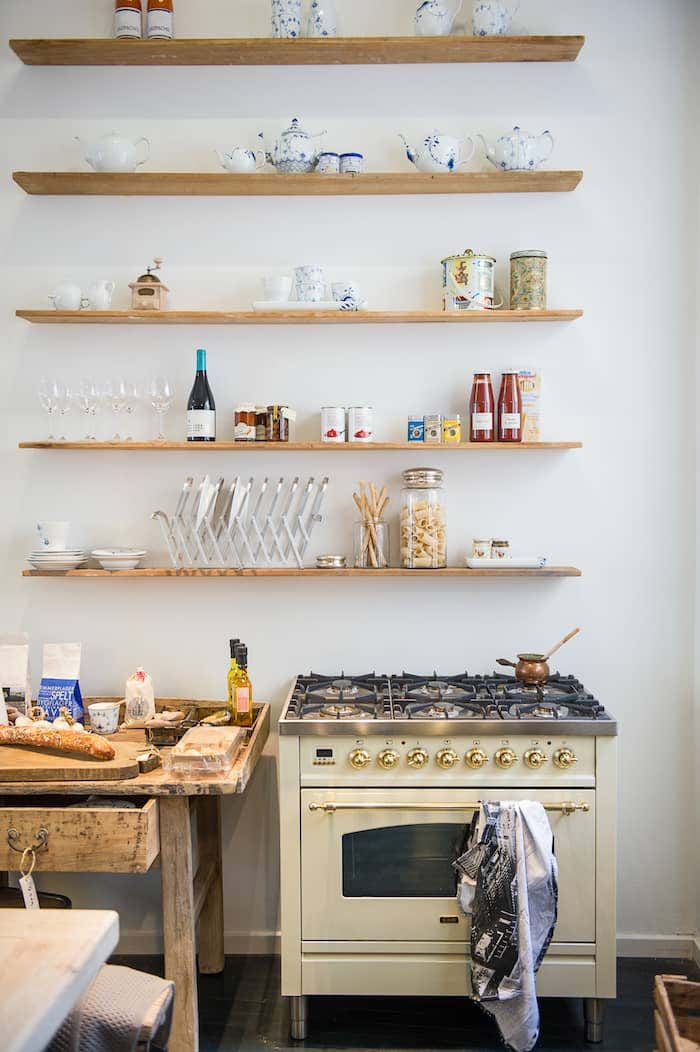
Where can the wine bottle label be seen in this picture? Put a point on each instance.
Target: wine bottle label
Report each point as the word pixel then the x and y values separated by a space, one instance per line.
pixel 482 421
pixel 201 423
pixel 510 421
pixel 127 24
pixel 242 699
pixel 160 25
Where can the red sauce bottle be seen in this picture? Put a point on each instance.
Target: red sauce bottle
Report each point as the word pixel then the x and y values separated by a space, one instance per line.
pixel 482 409
pixel 510 408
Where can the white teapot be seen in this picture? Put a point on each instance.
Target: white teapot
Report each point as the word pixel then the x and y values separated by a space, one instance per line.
pixel 295 151
pixel 68 296
pixel 519 151
pixel 438 153
pixel 435 18
pixel 491 18
pixel 241 160
pixel 114 154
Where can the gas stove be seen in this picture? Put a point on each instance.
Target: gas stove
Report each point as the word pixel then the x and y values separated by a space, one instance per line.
pixel 381 704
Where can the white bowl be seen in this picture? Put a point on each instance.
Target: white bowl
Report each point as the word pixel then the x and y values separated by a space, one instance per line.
pixel 119 558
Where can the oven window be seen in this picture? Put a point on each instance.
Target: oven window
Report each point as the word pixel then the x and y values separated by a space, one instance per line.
pixel 402 861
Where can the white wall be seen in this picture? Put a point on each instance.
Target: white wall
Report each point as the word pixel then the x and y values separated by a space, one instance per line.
pixel 619 379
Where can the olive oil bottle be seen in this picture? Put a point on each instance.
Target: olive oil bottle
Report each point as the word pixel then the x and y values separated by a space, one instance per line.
pixel 242 711
pixel 232 673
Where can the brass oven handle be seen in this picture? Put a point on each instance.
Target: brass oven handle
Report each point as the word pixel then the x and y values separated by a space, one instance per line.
pixel 566 807
pixel 41 840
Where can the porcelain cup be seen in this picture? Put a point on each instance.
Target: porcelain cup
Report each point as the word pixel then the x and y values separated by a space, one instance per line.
pixel 104 717
pixel 67 296
pixel 53 536
pixel 328 164
pixel 100 295
pixel 352 163
pixel 277 287
pixel 346 291
pixel 310 283
pixel 286 18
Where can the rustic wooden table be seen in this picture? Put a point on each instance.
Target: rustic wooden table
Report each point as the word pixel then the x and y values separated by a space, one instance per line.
pixel 48 959
pixel 106 840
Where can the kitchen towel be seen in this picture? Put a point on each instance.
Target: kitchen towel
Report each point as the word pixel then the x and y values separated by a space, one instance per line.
pixel 509 888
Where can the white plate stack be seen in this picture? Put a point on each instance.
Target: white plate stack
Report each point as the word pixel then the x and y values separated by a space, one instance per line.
pixel 70 559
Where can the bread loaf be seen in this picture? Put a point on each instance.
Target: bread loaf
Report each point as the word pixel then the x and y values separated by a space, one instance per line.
pixel 71 742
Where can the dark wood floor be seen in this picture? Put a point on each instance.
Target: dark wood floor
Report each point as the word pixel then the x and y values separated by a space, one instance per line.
pixel 241 1009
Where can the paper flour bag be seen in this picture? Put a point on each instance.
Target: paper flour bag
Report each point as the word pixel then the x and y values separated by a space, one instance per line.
pixel 59 681
pixel 15 684
pixel 140 701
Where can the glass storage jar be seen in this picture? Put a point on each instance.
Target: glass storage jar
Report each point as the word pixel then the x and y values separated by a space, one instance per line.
pixel 423 520
pixel 371 544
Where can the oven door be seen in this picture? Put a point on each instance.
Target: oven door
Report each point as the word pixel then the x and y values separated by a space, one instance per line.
pixel 379 868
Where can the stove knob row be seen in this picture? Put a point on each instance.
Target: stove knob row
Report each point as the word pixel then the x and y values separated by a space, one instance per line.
pixel 535 759
pixel 447 758
pixel 359 758
pixel 565 758
pixel 506 758
pixel 476 758
pixel 417 758
pixel 388 759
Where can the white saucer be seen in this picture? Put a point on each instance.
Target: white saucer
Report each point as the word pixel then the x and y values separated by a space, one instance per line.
pixel 296 305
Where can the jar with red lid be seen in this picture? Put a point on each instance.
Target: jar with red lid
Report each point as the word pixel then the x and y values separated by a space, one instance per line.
pixel 510 408
pixel 482 409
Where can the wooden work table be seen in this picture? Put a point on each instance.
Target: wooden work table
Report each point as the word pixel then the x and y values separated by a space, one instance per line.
pixel 131 840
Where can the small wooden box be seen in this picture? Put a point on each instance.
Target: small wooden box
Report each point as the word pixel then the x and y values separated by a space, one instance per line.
pixel 677 1014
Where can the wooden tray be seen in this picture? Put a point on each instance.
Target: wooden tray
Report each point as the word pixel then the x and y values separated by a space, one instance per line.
pixel 21 763
pixel 677 1015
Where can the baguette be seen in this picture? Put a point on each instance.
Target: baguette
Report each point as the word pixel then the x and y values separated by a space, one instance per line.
pixel 72 742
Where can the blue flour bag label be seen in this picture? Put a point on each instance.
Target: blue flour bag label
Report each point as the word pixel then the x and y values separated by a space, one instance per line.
pixel 57 694
pixel 60 688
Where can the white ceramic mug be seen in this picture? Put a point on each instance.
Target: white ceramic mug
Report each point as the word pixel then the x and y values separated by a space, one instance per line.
pixel 100 295
pixel 104 717
pixel 277 287
pixel 310 283
pixel 67 296
pixel 53 536
pixel 346 290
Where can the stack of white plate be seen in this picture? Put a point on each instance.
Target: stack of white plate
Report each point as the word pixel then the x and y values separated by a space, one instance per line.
pixel 69 559
pixel 119 558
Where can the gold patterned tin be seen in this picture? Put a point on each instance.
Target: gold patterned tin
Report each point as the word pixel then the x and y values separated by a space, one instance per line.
pixel 528 279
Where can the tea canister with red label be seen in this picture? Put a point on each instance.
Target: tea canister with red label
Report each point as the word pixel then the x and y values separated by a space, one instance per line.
pixel 360 423
pixel 528 279
pixel 333 423
pixel 468 282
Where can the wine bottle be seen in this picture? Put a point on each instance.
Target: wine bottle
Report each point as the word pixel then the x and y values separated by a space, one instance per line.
pixel 201 410
pixel 242 689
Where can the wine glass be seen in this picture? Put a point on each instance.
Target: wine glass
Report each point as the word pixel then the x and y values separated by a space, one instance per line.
pixel 65 404
pixel 115 398
pixel 131 399
pixel 88 399
pixel 160 394
pixel 49 392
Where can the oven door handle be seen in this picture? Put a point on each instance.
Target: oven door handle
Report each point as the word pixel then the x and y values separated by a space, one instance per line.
pixel 565 807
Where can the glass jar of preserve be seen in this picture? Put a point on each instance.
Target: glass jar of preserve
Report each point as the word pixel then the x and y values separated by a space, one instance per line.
pixel 482 409
pixel 261 423
pixel 423 520
pixel 244 423
pixel 500 549
pixel 510 408
pixel 278 423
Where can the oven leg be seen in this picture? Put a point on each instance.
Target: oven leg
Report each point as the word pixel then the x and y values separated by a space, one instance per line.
pixel 593 1014
pixel 300 1017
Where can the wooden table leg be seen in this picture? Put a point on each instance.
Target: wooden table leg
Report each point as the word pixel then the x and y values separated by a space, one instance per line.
pixel 179 919
pixel 211 918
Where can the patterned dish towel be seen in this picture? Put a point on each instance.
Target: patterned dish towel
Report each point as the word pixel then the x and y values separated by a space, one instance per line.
pixel 509 888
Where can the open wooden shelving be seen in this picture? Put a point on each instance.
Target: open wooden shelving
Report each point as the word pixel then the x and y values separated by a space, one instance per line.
pixel 274 184
pixel 246 51
pixel 293 571
pixel 291 317
pixel 296 447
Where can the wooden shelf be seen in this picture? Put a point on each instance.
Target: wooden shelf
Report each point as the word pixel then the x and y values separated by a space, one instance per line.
pixel 292 317
pixel 242 51
pixel 297 447
pixel 293 571
pixel 263 184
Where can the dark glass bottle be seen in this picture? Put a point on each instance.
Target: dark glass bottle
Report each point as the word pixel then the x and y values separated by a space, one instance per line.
pixel 201 409
pixel 482 409
pixel 510 408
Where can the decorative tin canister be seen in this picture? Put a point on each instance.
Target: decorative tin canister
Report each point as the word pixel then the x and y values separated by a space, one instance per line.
pixel 528 279
pixel 467 282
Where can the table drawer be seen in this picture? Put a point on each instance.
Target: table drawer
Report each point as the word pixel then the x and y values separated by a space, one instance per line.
pixel 80 839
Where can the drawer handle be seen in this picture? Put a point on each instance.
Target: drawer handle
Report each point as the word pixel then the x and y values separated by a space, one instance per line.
pixel 41 841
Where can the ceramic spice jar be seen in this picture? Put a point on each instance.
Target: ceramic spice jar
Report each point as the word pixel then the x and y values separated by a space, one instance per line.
pixel 528 279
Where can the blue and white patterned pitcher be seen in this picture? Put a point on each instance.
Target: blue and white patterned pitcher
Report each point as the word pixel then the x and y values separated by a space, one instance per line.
pixel 435 18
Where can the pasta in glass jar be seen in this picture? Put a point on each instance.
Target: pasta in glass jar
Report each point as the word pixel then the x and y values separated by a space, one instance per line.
pixel 423 520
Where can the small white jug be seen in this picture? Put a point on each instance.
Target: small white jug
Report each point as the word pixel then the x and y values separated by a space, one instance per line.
pixel 100 295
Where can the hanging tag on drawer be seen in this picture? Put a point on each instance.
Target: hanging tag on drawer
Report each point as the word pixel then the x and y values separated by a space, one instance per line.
pixel 26 881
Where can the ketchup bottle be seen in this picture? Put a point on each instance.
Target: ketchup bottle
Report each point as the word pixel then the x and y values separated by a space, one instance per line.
pixel 481 409
pixel 127 19
pixel 160 20
pixel 510 408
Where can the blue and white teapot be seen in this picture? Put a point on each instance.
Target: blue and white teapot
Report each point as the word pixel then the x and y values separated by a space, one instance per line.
pixel 520 151
pixel 491 18
pixel 295 152
pixel 438 153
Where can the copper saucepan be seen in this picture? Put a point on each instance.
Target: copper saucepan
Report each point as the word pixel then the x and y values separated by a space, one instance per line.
pixel 532 669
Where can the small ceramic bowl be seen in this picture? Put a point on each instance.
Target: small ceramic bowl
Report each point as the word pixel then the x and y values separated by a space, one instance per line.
pixel 104 717
pixel 118 558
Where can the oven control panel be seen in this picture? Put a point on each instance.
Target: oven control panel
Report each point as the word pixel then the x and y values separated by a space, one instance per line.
pixel 490 760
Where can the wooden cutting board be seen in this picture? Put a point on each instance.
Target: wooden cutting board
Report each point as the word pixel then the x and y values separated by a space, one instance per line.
pixel 21 763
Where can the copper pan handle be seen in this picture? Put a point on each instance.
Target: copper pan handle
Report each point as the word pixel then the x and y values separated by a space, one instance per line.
pixel 505 661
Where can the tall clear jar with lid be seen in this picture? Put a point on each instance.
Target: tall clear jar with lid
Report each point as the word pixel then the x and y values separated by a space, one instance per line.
pixel 423 520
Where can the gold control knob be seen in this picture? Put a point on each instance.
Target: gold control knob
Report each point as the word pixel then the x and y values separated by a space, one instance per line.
pixel 388 758
pixel 446 759
pixel 417 758
pixel 565 758
pixel 476 758
pixel 505 758
pixel 535 758
pixel 359 758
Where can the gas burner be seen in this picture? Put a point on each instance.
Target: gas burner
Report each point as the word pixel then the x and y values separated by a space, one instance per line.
pixel 539 710
pixel 334 711
pixel 438 691
pixel 340 694
pixel 432 710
